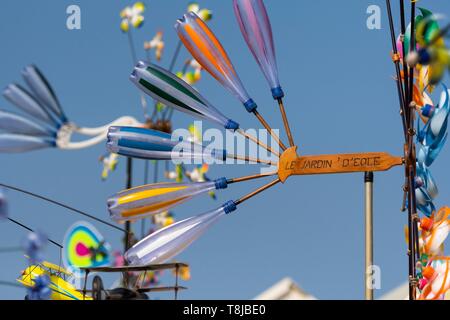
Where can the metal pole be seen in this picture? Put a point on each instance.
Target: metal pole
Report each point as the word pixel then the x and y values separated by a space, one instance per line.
pixel 368 184
pixel 129 184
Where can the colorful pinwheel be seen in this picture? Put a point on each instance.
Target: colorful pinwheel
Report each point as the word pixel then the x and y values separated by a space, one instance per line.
pixel 434 232
pixel 132 16
pixel 170 90
pixel 433 136
pixel 47 125
pixel 84 247
pixel 431 50
pixel 426 190
pixel 436 279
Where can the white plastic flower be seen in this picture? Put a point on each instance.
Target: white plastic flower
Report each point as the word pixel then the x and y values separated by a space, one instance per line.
pixel 132 15
pixel 157 44
pixel 204 14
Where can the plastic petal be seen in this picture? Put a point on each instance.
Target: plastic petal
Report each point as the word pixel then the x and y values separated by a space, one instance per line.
pixel 433 153
pixel 257 31
pixel 167 242
pixel 208 51
pixel 14 123
pixel 15 143
pixel 157 145
pixel 43 91
pixel 147 200
pixel 23 100
pixel 170 90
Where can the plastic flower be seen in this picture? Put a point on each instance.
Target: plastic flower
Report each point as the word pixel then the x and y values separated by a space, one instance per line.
pixel 204 14
pixel 109 162
pixel 157 44
pixel 132 16
pixel 177 174
pixel 191 76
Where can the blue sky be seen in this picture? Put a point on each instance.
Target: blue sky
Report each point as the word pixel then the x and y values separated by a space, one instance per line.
pixel 340 97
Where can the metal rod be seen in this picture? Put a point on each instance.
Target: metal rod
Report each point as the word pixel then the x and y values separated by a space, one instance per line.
pixel 368 209
pixel 251 177
pixel 401 94
pixel 257 141
pixel 257 191
pixel 61 205
pixel 405 68
pixel 269 129
pixel 129 184
pixel 286 122
pixel 412 174
pixel 29 229
pixel 176 281
pixel 251 159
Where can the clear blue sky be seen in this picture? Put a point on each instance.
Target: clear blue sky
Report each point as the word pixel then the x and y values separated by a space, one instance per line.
pixel 340 97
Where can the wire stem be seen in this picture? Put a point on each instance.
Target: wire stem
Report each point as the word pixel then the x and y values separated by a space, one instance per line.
pixel 257 141
pixel 251 177
pixel 29 229
pixel 286 122
pixel 269 129
pixel 61 205
pixel 251 159
pixel 257 191
pixel 401 94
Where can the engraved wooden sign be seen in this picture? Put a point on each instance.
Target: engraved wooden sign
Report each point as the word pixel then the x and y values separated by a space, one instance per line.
pixel 292 164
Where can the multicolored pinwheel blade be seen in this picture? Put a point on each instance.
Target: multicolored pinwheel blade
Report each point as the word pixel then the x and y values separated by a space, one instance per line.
pixel 85 247
pixel 257 31
pixel 167 242
pixel 169 89
pixel 39 130
pixel 208 51
pixel 147 200
pixel 156 145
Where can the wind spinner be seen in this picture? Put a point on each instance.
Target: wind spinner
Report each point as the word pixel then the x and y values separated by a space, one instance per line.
pixel 46 125
pixel 162 85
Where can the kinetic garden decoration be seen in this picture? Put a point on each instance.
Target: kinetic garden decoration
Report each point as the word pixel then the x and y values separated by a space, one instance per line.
pixel 420 58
